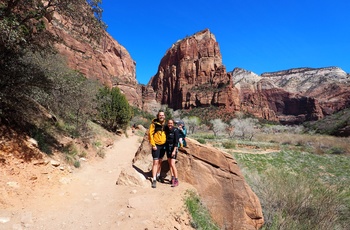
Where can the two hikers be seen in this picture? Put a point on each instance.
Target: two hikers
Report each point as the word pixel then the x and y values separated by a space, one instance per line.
pixel 164 138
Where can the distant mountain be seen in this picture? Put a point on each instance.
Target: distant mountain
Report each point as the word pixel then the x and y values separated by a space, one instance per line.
pixel 191 75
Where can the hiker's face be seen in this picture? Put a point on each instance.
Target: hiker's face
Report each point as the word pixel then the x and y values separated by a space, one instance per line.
pixel 170 124
pixel 161 116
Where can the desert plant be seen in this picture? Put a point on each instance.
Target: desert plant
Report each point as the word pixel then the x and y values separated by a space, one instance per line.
pixel 114 109
pixel 229 145
pixel 70 152
pixel 293 201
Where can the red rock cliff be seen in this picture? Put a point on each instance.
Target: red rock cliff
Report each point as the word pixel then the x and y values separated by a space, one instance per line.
pixel 105 60
pixel 191 74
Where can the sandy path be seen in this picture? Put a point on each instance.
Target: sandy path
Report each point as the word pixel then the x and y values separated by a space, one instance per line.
pixel 89 198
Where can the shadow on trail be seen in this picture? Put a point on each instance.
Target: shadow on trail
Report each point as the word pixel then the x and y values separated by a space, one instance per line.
pixel 148 175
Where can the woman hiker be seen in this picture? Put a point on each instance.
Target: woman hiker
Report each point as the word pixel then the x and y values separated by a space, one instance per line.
pixel 172 142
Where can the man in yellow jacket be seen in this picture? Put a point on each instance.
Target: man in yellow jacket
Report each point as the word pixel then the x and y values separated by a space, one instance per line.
pixel 157 139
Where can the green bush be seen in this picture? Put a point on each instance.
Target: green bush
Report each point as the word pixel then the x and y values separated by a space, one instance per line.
pixel 70 152
pixel 114 109
pixel 202 141
pixel 229 145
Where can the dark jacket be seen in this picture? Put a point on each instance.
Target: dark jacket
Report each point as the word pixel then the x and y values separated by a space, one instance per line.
pixel 172 136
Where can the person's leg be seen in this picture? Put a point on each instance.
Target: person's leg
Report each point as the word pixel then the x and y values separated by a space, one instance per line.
pixel 173 167
pixel 159 167
pixel 162 150
pixel 155 166
pixel 175 181
pixel 171 171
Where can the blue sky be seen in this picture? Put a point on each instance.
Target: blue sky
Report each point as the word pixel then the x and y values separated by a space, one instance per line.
pixel 256 35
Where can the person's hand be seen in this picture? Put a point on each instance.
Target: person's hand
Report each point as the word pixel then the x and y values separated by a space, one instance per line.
pixel 154 147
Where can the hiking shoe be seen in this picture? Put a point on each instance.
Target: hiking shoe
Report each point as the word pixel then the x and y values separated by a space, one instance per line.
pixel 172 182
pixel 176 183
pixel 154 184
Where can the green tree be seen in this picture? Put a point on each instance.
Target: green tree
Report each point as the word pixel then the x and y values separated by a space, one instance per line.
pixel 22 22
pixel 114 109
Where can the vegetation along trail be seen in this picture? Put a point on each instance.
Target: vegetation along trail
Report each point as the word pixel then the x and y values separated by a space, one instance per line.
pixel 89 198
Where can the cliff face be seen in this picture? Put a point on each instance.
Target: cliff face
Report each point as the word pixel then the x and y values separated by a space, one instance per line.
pixel 189 71
pixel 264 98
pixel 191 75
pixel 106 60
pixel 329 86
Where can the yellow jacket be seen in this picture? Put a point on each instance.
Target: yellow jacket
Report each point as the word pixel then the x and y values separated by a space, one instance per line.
pixel 156 133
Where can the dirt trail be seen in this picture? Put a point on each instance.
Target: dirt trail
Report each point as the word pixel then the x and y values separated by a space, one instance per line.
pixel 89 198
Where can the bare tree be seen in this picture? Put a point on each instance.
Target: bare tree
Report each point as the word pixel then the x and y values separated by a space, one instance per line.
pixel 192 123
pixel 218 126
pixel 243 128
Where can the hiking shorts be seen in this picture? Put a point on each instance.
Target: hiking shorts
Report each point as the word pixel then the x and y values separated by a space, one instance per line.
pixel 159 153
pixel 169 151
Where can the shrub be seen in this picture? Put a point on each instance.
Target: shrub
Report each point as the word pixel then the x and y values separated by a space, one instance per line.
pixel 77 164
pixel 70 152
pixel 114 109
pixel 201 140
pixel 229 145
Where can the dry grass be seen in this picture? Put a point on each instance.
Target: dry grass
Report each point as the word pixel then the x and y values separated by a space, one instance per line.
pixel 319 144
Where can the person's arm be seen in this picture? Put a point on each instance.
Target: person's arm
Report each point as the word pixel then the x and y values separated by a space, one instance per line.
pixel 150 135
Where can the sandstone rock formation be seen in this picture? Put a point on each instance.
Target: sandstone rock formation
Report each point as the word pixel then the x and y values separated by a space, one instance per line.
pixel 105 60
pixel 329 86
pixel 191 75
pixel 264 98
pixel 217 178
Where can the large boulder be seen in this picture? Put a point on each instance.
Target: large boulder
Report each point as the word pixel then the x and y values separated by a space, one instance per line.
pixel 217 178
